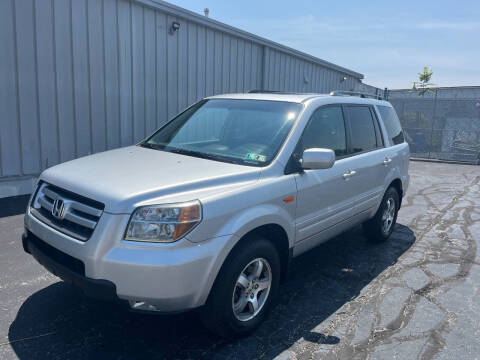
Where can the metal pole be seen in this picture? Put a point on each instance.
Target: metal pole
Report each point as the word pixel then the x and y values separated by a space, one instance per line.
pixel 433 123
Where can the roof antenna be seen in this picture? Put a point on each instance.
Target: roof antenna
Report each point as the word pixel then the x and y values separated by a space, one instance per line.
pixel 206 11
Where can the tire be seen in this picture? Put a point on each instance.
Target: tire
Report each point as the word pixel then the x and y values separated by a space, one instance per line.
pixel 377 229
pixel 218 315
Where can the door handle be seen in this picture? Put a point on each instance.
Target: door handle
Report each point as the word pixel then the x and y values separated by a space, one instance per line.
pixel 349 174
pixel 387 161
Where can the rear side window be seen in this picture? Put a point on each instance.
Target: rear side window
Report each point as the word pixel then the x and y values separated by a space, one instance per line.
pixel 362 129
pixel 326 129
pixel 392 123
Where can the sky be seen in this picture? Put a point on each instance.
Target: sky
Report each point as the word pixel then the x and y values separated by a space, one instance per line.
pixel 388 41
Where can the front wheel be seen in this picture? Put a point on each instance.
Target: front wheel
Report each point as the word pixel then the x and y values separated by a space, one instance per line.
pixel 244 290
pixel 380 227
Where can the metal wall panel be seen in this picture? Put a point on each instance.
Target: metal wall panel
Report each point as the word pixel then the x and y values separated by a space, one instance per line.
pixel 64 82
pixel 11 158
pixel 27 85
pixel 81 79
pixel 83 76
pixel 47 102
pixel 111 72
pixel 288 73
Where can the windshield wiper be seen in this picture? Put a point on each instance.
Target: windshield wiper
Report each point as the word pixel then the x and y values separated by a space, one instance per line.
pixel 190 153
pixel 150 146
pixel 202 155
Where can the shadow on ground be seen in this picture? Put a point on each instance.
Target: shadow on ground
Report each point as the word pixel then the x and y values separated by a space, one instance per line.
pixel 59 322
pixel 14 205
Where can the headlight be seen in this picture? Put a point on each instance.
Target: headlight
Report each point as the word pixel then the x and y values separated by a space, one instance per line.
pixel 163 223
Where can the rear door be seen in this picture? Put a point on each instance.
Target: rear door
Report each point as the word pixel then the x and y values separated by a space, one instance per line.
pixel 367 149
pixel 397 154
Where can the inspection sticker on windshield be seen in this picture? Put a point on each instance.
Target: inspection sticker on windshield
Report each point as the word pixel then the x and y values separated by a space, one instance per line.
pixel 256 157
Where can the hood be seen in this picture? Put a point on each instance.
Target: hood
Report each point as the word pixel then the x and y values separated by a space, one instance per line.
pixel 124 178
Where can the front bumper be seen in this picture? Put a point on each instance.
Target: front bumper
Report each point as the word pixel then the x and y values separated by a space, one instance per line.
pixel 167 277
pixel 67 268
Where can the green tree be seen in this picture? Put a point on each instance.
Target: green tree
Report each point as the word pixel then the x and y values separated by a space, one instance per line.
pixel 424 84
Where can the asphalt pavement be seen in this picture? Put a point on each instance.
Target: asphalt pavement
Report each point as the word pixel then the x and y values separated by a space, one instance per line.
pixel 415 296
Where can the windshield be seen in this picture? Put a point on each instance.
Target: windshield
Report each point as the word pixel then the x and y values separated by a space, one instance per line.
pixel 247 132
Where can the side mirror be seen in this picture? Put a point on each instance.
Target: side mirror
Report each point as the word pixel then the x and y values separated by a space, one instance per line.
pixel 317 159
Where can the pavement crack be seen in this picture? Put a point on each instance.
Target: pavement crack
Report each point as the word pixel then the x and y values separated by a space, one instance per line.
pixel 443 251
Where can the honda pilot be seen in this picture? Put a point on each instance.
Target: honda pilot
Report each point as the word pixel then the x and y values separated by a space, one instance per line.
pixel 208 211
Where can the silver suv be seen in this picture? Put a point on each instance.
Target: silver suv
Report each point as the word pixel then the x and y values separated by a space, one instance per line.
pixel 208 211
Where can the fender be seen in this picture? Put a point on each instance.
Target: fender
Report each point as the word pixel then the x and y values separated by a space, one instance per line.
pixel 238 227
pixel 393 174
pixel 262 214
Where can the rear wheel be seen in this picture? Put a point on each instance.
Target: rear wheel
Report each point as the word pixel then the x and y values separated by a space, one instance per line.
pixel 244 290
pixel 380 227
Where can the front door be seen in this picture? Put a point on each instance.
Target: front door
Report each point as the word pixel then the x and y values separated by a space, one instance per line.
pixel 325 197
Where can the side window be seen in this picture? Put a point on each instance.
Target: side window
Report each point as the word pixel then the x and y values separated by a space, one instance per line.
pixel 392 124
pixel 362 129
pixel 326 129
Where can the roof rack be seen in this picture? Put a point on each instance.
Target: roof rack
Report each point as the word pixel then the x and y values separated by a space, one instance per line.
pixel 377 96
pixel 259 91
pixel 356 93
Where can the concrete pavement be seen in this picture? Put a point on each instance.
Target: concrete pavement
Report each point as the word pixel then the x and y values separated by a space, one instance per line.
pixel 415 296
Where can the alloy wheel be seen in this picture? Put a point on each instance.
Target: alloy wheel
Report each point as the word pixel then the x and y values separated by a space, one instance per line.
pixel 252 289
pixel 388 215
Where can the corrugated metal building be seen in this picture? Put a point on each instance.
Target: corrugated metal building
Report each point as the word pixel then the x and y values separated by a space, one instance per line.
pixel 83 76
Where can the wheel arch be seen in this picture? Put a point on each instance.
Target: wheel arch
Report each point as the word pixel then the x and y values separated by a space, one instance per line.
pixel 269 221
pixel 277 235
pixel 273 232
pixel 397 184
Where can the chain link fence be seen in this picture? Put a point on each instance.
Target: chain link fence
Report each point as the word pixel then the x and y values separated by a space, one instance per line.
pixel 442 124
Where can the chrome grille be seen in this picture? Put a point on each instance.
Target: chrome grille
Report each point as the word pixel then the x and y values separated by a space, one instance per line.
pixel 67 212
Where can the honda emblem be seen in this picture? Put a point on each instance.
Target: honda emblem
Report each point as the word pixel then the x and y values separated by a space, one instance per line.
pixel 58 209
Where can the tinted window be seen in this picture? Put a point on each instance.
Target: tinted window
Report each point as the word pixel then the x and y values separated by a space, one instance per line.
pixel 362 128
pixel 326 129
pixel 392 123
